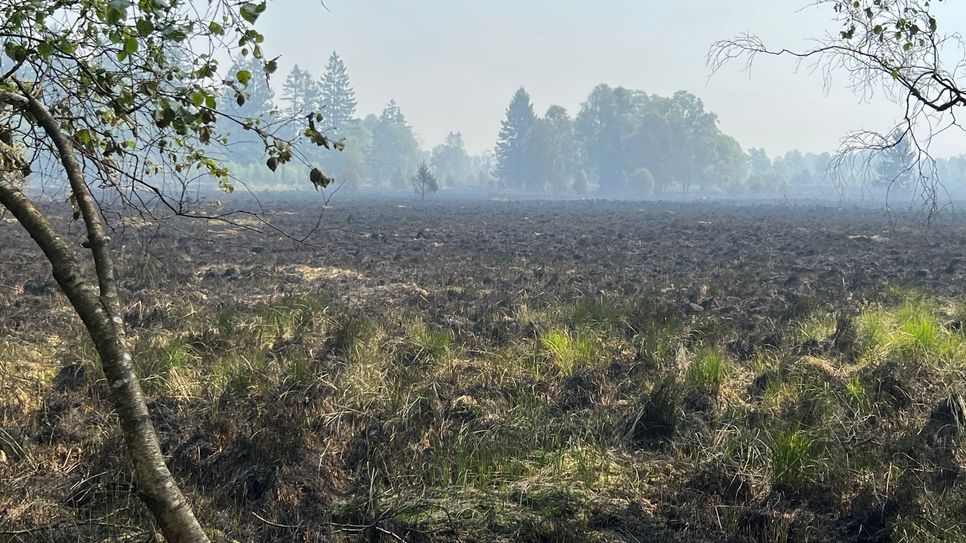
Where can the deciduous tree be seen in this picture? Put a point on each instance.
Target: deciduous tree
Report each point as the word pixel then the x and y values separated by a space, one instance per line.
pixel 119 92
pixel 895 48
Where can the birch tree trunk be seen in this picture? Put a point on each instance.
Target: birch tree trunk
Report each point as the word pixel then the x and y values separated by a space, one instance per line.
pixel 97 304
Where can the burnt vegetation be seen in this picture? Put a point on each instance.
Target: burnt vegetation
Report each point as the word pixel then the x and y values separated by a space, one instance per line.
pixel 688 373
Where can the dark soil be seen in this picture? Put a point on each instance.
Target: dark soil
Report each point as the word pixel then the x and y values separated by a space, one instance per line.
pixel 736 276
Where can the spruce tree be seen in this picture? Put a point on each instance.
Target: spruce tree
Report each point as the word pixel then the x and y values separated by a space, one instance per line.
pixel 512 152
pixel 424 182
pixel 299 92
pixel 338 99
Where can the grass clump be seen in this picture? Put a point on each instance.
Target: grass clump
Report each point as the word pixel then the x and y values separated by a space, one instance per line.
pixel 430 344
pixel 707 372
pixel 166 366
pixel 914 331
pixel 656 420
pixel 594 312
pixel 795 456
pixel 817 328
pixel 570 351
pixel 239 372
pixel 856 393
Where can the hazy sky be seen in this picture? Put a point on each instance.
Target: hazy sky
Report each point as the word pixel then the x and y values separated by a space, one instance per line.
pixel 454 64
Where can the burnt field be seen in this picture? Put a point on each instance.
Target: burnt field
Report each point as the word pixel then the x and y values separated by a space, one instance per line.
pixel 507 371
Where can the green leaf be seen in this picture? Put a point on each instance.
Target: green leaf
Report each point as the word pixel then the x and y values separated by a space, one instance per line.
pixel 216 28
pixel 251 10
pixel 240 99
pixel 130 45
pixel 45 48
pixel 197 98
pixel 272 163
pixel 145 27
pixel 84 137
pixel 175 34
pixel 15 51
pixel 243 77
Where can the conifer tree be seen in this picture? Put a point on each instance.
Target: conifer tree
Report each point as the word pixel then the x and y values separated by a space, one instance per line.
pixel 512 153
pixel 299 92
pixel 424 182
pixel 394 151
pixel 338 99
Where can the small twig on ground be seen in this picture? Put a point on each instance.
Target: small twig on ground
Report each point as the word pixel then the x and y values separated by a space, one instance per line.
pixel 275 524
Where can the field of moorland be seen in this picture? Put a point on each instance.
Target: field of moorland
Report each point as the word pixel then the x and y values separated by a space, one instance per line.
pixel 499 371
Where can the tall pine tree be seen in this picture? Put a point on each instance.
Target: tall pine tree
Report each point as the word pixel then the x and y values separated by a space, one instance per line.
pixel 299 92
pixel 512 149
pixel 338 99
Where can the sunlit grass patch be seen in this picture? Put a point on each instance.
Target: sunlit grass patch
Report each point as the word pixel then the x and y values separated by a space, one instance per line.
pixel 536 318
pixel 364 379
pixel 428 343
pixel 167 365
pixel 287 318
pixel 594 312
pixel 240 371
pixel 570 351
pixel 589 465
pixel 795 458
pixel 874 327
pixel 856 394
pixel 818 328
pixel 707 371
pixel 915 330
pixel 480 459
pixel 518 361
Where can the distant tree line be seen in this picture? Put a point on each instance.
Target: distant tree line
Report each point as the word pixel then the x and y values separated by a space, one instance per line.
pixel 380 150
pixel 621 142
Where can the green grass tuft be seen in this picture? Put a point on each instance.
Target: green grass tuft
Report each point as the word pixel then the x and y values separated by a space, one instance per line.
pixel 795 457
pixel 570 351
pixel 707 372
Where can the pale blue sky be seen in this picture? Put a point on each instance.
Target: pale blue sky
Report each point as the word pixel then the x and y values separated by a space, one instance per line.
pixel 454 64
